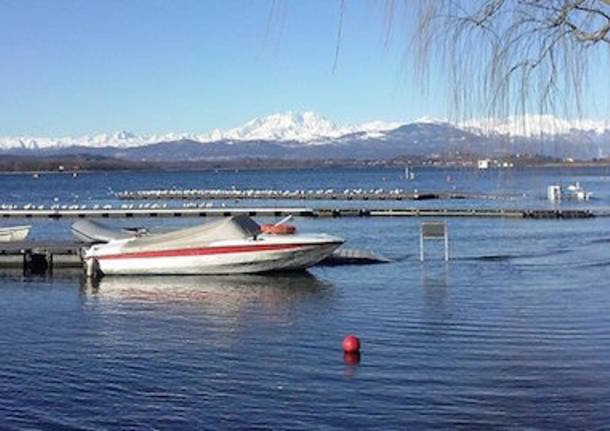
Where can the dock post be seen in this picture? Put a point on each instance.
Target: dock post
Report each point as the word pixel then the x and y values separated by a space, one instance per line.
pixel 91 268
pixel 421 245
pixel 446 243
pixel 35 262
pixel 49 262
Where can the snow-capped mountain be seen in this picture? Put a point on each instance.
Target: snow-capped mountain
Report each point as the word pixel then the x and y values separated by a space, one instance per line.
pixel 310 135
pixel 534 125
pixel 120 139
pixel 302 127
pixel 305 127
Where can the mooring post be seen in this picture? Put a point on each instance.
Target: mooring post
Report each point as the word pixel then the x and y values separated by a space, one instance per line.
pixel 35 262
pixel 421 245
pixel 446 243
pixel 49 256
pixel 91 267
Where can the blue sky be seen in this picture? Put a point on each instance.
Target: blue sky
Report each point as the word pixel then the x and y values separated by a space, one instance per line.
pixel 83 67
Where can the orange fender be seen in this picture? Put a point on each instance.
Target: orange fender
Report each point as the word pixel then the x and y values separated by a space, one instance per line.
pixel 281 229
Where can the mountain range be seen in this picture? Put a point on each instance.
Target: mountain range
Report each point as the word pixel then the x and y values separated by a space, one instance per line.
pixel 310 136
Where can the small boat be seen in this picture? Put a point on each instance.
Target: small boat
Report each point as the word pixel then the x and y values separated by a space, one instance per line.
pixel 577 192
pixel 232 245
pixel 14 233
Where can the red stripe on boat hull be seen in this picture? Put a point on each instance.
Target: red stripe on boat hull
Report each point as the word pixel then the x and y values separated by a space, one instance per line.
pixel 204 251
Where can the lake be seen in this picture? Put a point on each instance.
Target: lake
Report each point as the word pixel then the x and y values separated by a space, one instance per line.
pixel 512 332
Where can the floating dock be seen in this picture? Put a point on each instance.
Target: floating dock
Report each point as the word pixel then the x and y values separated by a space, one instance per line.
pixel 346 195
pixel 44 257
pixel 40 257
pixel 300 212
pixel 378 194
pixel 152 212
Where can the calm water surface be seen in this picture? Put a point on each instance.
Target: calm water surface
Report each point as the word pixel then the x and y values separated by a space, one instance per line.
pixel 514 332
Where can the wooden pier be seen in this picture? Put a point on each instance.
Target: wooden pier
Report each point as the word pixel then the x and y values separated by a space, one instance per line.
pixel 301 212
pixel 40 257
pixel 153 212
pixel 379 194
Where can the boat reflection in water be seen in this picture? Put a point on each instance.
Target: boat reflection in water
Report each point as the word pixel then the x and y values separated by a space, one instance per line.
pixel 230 296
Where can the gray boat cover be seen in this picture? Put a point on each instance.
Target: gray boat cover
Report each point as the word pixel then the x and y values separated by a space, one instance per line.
pixel 234 227
pixel 90 231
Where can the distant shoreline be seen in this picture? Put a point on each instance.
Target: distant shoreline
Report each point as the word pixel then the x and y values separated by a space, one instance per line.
pixel 70 165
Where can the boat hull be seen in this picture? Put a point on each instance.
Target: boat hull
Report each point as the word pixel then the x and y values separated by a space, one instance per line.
pixel 244 259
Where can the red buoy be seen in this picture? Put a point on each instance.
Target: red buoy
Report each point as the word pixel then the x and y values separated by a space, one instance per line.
pixel 351 344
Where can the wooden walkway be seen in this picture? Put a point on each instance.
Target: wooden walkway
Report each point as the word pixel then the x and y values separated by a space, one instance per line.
pixel 149 212
pixel 40 257
pixel 301 212
pixel 379 194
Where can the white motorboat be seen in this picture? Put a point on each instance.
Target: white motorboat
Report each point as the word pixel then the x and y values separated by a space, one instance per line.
pixel 231 245
pixel 577 192
pixel 14 233
pixel 574 192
